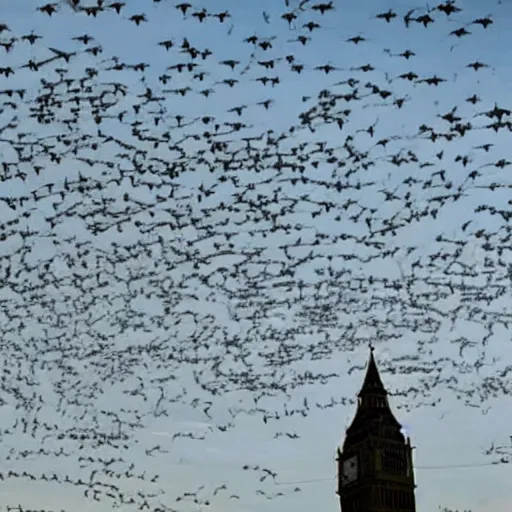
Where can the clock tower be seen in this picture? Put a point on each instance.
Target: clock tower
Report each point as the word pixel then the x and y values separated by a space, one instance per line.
pixel 375 469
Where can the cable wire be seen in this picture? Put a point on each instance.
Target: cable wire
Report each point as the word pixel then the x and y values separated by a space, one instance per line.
pixel 454 466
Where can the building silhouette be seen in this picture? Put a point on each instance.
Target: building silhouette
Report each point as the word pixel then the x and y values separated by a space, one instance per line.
pixel 375 468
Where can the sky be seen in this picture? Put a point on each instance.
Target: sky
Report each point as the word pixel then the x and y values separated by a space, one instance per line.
pixel 449 429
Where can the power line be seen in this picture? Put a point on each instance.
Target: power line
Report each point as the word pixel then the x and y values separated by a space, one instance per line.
pixel 454 466
pixel 461 465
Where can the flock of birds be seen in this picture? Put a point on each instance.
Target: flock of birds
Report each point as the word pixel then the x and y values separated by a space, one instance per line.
pixel 167 234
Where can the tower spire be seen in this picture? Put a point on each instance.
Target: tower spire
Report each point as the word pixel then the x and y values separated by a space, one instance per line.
pixel 372 381
pixel 375 467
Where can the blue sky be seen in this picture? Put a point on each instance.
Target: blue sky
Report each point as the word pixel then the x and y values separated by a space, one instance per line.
pixel 451 436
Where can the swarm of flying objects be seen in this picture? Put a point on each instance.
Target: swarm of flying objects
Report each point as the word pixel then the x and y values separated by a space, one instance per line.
pixel 231 209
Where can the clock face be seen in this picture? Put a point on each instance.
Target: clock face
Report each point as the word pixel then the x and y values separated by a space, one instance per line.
pixel 349 473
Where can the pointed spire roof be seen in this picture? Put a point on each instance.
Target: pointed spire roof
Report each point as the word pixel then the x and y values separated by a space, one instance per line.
pixel 373 410
pixel 372 381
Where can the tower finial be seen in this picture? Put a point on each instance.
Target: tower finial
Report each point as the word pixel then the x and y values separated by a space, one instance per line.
pixel 371 346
